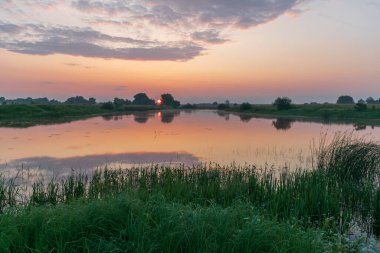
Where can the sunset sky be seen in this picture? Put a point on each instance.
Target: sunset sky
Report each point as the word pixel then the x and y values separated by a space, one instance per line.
pixel 198 50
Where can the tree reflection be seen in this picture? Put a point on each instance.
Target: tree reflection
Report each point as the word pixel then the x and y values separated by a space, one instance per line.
pixel 360 126
pixel 112 117
pixel 142 117
pixel 168 116
pixel 245 118
pixel 282 123
pixel 223 114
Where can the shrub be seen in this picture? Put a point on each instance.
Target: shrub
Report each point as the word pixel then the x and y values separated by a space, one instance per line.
pixel 282 103
pixel 107 106
pixel 245 107
pixel 223 106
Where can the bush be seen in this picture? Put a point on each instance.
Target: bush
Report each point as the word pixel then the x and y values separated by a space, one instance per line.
pixel 283 103
pixel 361 107
pixel 107 106
pixel 223 106
pixel 245 107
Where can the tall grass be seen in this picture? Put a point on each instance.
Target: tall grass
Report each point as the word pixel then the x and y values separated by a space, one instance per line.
pixel 350 159
pixel 312 197
pixel 128 224
pixel 198 205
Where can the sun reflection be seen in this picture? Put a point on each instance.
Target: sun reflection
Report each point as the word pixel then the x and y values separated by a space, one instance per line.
pixel 159 114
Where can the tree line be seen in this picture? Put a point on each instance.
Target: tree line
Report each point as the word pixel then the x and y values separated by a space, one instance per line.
pixel 166 99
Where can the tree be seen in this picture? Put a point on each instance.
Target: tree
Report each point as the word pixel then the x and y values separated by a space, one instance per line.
pixel 345 100
pixel 370 100
pixel 223 106
pixel 142 99
pixel 282 103
pixel 168 100
pixel 92 101
pixel 245 107
pixel 2 100
pixel 361 105
pixel 119 102
pixel 107 106
pixel 78 100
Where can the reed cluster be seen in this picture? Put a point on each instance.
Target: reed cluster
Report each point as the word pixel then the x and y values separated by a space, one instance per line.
pixel 204 208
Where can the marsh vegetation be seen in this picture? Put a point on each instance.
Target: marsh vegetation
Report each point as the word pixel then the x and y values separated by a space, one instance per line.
pixel 206 208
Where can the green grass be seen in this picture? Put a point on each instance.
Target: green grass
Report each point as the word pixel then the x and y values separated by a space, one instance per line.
pixel 318 112
pixel 199 209
pixel 127 223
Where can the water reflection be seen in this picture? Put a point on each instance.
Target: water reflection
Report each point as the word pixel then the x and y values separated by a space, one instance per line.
pixel 283 123
pixel 142 117
pixel 206 135
pixel 245 117
pixel 168 116
pixel 112 117
pixel 225 115
pixel 360 126
pixel 63 166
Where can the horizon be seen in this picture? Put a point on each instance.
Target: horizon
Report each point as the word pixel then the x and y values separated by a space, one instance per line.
pixel 243 51
pixel 192 102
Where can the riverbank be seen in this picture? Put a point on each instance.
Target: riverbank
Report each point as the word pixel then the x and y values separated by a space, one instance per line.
pixel 329 113
pixel 31 115
pixel 202 208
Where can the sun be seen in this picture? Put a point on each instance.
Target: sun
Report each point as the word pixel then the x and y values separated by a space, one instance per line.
pixel 159 102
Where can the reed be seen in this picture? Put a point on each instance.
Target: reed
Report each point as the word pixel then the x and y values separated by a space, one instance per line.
pixel 128 224
pixel 204 208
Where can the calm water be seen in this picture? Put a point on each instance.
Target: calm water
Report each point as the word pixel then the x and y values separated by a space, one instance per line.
pixel 164 137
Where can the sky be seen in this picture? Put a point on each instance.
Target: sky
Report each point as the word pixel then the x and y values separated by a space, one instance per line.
pixel 198 50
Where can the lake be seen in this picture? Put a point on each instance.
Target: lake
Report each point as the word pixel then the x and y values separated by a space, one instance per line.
pixel 167 137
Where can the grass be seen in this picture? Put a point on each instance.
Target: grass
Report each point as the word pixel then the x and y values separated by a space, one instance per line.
pixel 318 112
pixel 199 209
pixel 128 224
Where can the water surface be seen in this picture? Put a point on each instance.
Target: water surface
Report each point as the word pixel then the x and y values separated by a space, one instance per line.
pixel 187 137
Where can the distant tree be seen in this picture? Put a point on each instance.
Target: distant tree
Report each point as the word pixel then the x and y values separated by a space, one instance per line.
pixel 189 106
pixel 54 101
pixel 245 107
pixel 107 106
pixel 78 100
pixel 92 101
pixel 215 103
pixel 168 100
pixel 223 106
pixel 345 100
pixel 142 99
pixel 361 105
pixel 282 103
pixel 2 100
pixel 370 100
pixel 119 102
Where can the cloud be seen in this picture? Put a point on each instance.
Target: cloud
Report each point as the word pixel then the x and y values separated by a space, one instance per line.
pixel 62 166
pixel 174 30
pixel 90 43
pixel 120 88
pixel 72 64
pixel 210 36
pixel 9 28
